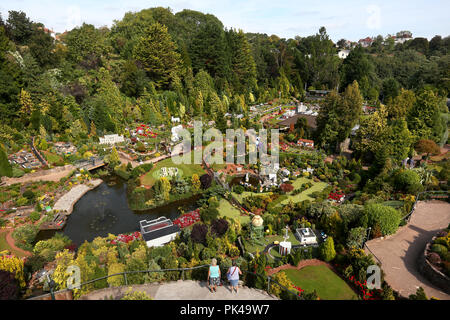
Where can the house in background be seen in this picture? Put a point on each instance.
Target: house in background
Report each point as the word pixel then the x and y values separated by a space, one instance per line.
pixel 343 54
pixel 158 232
pixel 366 42
pixel 305 143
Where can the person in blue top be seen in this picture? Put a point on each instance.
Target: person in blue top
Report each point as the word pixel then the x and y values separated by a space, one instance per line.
pixel 214 275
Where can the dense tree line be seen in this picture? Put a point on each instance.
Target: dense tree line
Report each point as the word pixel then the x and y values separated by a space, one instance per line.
pixel 154 64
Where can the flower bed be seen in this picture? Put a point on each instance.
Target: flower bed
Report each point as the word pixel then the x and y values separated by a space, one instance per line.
pixel 126 238
pixel 144 130
pixel 363 291
pixel 336 196
pixel 188 219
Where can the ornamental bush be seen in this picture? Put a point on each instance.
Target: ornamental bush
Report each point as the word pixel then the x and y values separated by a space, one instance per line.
pixel 198 233
pixel 326 249
pixel 407 181
pixel 386 218
pixel 439 249
pixel 219 227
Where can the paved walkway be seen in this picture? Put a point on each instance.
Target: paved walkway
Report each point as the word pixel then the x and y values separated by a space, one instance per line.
pixel 54 174
pixel 399 253
pixel 182 290
pixel 68 200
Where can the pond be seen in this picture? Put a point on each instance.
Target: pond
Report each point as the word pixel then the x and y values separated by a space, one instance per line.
pixel 105 210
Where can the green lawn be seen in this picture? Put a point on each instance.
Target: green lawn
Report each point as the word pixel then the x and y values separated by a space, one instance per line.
pixel 4 246
pixel 187 170
pixel 227 210
pixel 316 186
pixel 328 285
pixel 260 245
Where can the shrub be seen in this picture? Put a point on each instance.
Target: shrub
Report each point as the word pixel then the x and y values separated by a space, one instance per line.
pixel 35 216
pixel 30 195
pixel 286 187
pixel 439 249
pixel 206 181
pixel 326 249
pixel 25 236
pixel 238 189
pixel 198 233
pixel 386 218
pixel 219 226
pixel 135 295
pixel 408 181
pixel 209 214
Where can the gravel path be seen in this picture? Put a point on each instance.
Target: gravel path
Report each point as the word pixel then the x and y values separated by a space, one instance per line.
pixel 399 253
pixel 54 174
pixel 68 200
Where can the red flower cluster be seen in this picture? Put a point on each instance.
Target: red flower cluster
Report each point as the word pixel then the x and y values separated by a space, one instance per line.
pixel 336 195
pixel 365 292
pixel 300 290
pixel 144 130
pixel 126 238
pixel 188 219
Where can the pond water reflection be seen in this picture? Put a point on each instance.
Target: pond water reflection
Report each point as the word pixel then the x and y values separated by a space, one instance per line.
pixel 105 210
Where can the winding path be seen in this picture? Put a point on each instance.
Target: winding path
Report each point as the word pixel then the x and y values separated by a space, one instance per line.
pixel 399 253
pixel 11 242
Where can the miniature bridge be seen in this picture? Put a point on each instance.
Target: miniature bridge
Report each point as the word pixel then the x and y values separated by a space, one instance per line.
pixel 91 163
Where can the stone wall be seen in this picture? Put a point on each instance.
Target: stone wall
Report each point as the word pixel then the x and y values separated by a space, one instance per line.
pixel 430 272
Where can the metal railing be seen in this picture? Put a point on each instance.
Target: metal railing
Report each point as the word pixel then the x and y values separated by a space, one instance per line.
pixel 183 270
pixel 407 217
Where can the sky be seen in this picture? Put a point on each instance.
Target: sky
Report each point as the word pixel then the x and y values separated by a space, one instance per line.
pixel 349 19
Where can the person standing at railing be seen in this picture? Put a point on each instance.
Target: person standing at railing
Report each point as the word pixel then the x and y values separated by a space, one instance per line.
pixel 233 276
pixel 213 275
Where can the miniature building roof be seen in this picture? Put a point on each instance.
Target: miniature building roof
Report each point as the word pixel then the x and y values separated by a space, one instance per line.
pixel 306 140
pixel 157 228
pixel 309 233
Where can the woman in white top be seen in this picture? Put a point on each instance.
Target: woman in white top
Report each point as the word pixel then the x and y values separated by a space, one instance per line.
pixel 233 276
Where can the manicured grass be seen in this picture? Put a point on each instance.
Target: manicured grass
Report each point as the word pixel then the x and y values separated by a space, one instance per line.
pixel 260 245
pixel 227 210
pixel 327 284
pixel 187 170
pixel 316 186
pixel 5 246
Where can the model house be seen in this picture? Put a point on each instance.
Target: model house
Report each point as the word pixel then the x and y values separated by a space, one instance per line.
pixel 306 143
pixel 306 236
pixel 158 232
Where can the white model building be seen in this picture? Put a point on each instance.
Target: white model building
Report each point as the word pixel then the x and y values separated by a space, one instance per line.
pixel 158 232
pixel 306 236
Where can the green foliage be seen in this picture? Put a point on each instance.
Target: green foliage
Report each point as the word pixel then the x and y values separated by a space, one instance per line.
pixel 408 181
pixel 5 166
pixel 386 218
pixel 327 252
pixel 157 53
